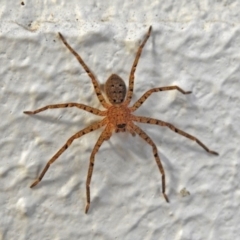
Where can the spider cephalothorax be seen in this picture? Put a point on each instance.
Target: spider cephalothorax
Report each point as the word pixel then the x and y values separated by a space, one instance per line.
pixel 118 117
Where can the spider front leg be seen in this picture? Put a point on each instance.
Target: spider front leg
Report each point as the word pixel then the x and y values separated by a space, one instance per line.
pixel 88 71
pixel 146 138
pixel 66 105
pixel 144 97
pixel 66 145
pixel 105 135
pixel 173 128
pixel 134 66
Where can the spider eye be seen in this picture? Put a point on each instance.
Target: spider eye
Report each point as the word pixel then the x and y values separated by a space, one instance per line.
pixel 114 100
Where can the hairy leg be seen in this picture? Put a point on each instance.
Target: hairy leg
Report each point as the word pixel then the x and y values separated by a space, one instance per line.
pixel 134 66
pixel 103 137
pixel 173 128
pixel 66 105
pixel 88 71
pixel 66 145
pixel 144 97
pixel 145 137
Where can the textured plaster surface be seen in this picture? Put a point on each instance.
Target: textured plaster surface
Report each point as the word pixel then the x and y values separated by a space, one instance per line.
pixel 193 45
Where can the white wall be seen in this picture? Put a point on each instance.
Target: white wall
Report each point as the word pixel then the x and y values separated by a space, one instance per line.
pixel 194 46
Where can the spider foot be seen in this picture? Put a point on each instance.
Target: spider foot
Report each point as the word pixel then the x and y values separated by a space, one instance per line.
pixel 166 197
pixel 35 183
pixel 87 207
pixel 188 92
pixel 28 112
pixel 214 153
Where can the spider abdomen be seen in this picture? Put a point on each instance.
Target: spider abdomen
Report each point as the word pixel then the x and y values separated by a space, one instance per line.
pixel 115 89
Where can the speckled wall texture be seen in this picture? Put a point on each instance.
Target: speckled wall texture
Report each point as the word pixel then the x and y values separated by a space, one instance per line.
pixel 193 45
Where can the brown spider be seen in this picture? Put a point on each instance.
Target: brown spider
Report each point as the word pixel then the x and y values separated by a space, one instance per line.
pixel 118 117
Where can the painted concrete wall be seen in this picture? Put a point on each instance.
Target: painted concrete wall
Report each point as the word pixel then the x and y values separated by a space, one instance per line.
pixel 193 45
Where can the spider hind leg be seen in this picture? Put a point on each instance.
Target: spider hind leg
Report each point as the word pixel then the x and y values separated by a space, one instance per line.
pixel 79 134
pixel 105 135
pixel 146 138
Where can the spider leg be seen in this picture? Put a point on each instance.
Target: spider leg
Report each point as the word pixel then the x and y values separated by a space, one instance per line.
pixel 105 135
pixel 145 137
pixel 134 66
pixel 129 129
pixel 144 97
pixel 79 134
pixel 66 105
pixel 173 128
pixel 88 71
